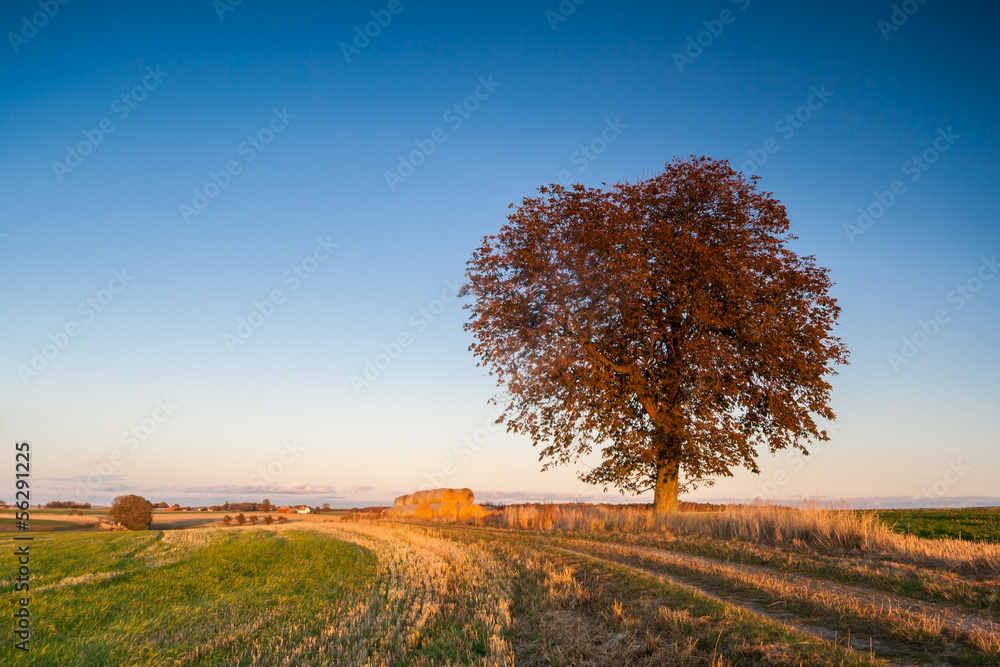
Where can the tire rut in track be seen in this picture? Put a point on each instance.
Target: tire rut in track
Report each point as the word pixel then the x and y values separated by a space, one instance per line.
pixel 831 635
pixel 960 621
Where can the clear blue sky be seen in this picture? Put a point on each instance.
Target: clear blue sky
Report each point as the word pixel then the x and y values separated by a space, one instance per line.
pixel 308 131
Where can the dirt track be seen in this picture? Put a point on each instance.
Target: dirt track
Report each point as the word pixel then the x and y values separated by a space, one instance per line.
pixel 895 626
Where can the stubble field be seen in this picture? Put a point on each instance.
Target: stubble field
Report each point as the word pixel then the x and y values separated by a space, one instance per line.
pixel 537 585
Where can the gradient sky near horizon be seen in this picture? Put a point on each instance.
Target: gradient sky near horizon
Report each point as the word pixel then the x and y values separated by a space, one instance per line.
pixel 604 93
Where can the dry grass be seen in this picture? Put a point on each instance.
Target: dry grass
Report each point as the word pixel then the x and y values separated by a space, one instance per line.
pixel 496 602
pixel 427 585
pixel 812 526
pixel 382 593
pixel 876 571
pixel 890 617
pixel 93 577
pixel 592 615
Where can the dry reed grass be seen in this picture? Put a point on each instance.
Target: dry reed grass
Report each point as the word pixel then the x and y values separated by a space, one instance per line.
pixel 810 525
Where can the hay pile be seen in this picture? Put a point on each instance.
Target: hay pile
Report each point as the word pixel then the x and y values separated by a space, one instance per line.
pixel 446 504
pixel 412 511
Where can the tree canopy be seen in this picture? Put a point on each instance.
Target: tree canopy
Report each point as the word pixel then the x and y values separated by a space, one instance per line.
pixel 666 322
pixel 132 511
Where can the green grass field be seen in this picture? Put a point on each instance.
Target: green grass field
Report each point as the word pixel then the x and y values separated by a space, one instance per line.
pixel 9 525
pixel 978 524
pixel 194 597
pixel 35 511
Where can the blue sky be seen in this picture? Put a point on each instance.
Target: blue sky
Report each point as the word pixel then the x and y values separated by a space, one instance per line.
pixel 603 93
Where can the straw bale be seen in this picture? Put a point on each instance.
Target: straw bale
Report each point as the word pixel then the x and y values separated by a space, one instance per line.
pixel 445 510
pixel 470 511
pixel 440 496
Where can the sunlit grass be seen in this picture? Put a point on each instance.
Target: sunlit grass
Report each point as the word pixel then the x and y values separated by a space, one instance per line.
pixel 196 596
pixel 978 524
pixel 392 593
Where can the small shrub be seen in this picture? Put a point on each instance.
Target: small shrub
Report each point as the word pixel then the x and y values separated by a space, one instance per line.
pixel 132 511
pixel 227 520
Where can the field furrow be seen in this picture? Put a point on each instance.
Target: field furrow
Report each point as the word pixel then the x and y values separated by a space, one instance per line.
pixel 894 627
pixel 960 622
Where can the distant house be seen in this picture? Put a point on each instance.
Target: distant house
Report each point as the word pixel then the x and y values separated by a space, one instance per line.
pixel 285 510
pixel 304 510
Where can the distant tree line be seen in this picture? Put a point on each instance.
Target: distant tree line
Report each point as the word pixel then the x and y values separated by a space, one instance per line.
pixel 66 504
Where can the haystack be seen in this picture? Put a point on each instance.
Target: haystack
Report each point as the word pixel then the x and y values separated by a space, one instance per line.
pixel 471 511
pixel 444 510
pixel 400 500
pixel 457 496
pixel 413 511
pixel 441 496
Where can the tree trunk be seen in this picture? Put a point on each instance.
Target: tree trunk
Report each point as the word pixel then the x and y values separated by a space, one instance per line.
pixel 667 484
pixel 668 465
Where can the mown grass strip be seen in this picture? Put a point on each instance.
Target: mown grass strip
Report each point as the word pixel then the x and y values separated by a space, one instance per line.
pixel 202 602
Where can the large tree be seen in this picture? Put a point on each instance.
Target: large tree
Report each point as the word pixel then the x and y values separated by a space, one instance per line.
pixel 665 321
